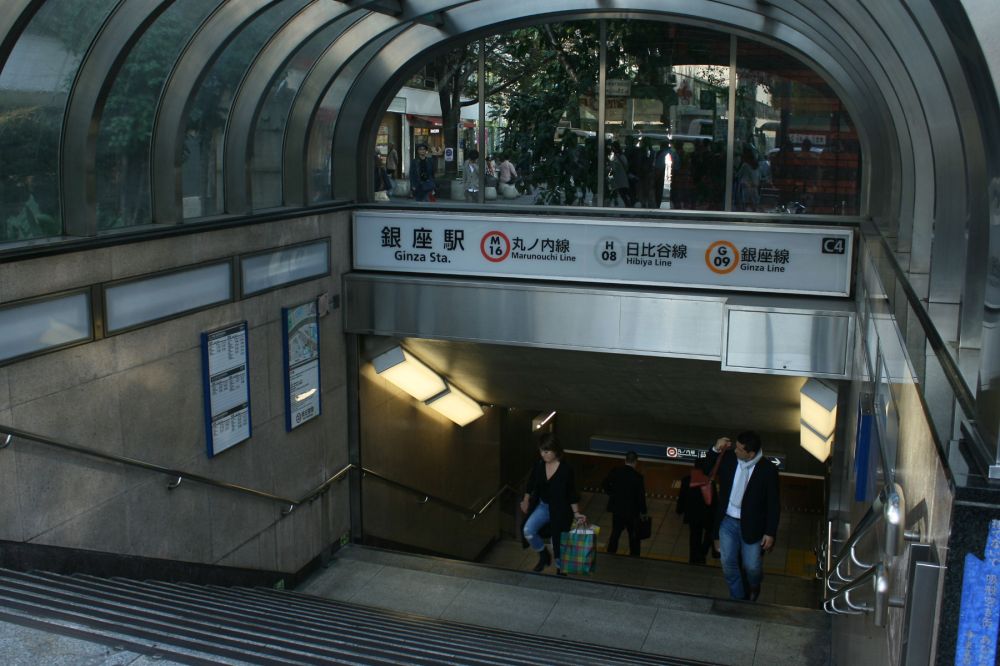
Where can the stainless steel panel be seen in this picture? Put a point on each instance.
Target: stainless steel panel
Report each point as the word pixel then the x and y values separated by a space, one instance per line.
pixel 922 605
pixel 610 320
pixel 684 327
pixel 787 342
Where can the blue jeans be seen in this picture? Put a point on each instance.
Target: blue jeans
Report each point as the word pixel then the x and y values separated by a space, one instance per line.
pixel 734 552
pixel 535 522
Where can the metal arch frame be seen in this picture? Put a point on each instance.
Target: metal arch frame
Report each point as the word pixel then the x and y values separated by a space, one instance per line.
pixel 855 48
pixel 14 19
pixel 658 15
pixel 91 87
pixel 341 84
pixel 356 123
pixel 310 96
pixel 252 93
pixel 199 54
pixel 971 287
pixel 352 46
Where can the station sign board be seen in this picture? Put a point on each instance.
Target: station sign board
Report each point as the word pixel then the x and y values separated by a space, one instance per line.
pixel 770 258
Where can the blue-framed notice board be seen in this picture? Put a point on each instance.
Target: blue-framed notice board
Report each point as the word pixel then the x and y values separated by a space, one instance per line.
pixel 300 333
pixel 226 377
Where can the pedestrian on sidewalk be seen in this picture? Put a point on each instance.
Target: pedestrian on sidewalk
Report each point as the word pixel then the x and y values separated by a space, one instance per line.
pixel 626 491
pixel 746 515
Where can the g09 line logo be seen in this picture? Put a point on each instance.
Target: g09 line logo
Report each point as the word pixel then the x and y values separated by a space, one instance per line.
pixel 722 257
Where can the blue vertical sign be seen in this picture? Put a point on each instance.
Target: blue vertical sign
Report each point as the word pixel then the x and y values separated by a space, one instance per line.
pixel 979 617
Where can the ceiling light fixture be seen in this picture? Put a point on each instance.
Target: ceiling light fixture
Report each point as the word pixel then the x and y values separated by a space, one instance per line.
pixel 818 418
pixel 455 405
pixel 406 372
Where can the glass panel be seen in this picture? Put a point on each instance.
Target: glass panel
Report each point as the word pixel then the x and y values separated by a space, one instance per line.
pixel 543 109
pixel 269 133
pixel 34 87
pixel 206 123
pixel 123 141
pixel 794 134
pixel 41 325
pixel 142 301
pixel 666 83
pixel 273 269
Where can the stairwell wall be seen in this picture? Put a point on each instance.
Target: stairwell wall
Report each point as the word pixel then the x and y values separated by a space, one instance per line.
pixel 139 394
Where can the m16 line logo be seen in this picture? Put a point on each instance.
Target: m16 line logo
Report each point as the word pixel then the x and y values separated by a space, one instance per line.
pixel 495 246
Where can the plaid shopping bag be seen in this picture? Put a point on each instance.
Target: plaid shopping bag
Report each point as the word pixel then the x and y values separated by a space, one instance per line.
pixel 578 550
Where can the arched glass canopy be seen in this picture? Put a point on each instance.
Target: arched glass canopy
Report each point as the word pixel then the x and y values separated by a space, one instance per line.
pixel 135 112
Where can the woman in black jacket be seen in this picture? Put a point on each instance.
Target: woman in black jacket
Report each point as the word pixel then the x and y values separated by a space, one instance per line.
pixel 552 485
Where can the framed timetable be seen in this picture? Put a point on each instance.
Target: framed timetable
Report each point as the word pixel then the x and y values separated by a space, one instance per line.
pixel 227 387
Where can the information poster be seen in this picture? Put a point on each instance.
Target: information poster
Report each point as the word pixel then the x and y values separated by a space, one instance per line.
pixel 794 259
pixel 302 387
pixel 227 387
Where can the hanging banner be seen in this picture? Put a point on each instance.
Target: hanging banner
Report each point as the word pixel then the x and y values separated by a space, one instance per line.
pixel 729 257
pixel 300 333
pixel 226 380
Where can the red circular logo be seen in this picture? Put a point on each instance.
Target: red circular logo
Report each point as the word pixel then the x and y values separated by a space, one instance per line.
pixel 495 246
pixel 671 452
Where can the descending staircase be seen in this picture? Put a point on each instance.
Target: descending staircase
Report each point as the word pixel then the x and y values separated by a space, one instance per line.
pixel 194 624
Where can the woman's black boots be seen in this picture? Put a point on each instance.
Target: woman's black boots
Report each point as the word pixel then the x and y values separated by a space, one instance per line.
pixel 543 559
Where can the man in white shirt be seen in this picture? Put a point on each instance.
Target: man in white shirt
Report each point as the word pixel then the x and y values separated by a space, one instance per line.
pixel 746 515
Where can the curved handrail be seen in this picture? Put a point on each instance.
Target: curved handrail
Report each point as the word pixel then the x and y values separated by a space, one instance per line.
pixel 889 507
pixel 179 476
pixel 877 577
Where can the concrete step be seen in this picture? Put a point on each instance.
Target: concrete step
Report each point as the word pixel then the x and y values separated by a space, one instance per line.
pixel 669 625
pixel 203 624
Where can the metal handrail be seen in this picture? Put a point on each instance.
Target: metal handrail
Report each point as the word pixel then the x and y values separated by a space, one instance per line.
pixel 179 476
pixel 876 576
pixel 889 507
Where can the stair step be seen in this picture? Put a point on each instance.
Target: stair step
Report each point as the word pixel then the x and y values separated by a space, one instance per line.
pixel 259 626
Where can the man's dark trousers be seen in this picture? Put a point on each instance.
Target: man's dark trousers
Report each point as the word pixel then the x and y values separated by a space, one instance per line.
pixel 621 522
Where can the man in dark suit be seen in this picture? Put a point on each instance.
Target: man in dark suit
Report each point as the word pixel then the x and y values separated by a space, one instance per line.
pixel 626 502
pixel 747 511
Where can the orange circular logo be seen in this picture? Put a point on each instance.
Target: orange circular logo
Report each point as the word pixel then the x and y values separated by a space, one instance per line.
pixel 722 257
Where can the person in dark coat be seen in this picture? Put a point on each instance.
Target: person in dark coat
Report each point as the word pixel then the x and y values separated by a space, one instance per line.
pixel 551 499
pixel 747 512
pixel 422 183
pixel 626 502
pixel 698 516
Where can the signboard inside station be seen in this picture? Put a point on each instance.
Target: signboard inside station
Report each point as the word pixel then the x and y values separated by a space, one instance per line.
pixel 792 259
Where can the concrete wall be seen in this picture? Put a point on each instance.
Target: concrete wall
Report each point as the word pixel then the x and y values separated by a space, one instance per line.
pixel 139 394
pixel 411 443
